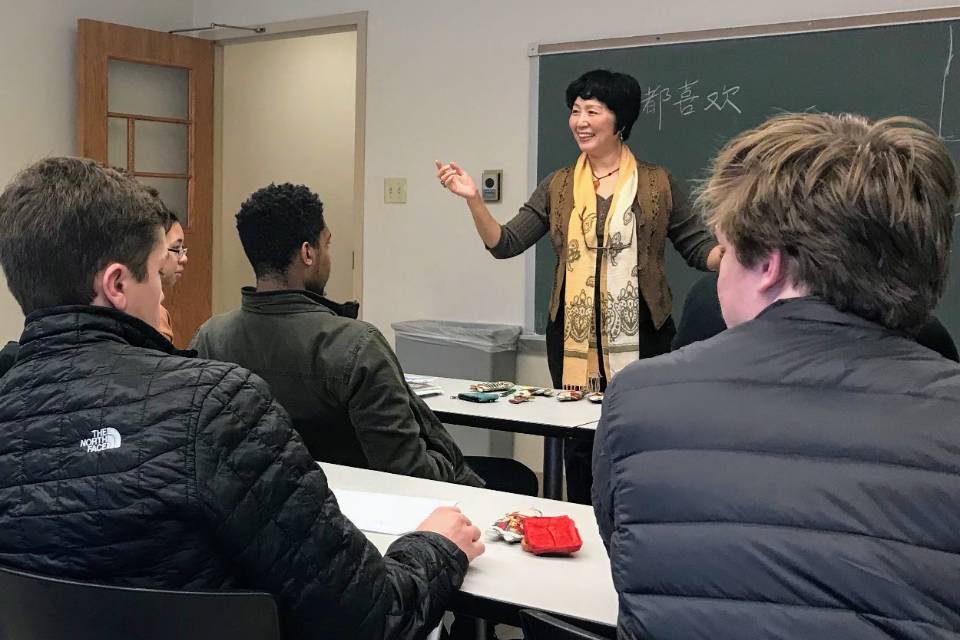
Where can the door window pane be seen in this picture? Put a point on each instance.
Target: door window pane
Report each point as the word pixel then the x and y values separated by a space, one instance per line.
pixel 147 89
pixel 173 192
pixel 117 142
pixel 160 147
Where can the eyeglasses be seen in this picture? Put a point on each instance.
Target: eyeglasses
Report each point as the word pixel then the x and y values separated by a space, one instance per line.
pixel 181 252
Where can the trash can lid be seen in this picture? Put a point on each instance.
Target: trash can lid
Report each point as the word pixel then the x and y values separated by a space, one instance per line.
pixel 490 338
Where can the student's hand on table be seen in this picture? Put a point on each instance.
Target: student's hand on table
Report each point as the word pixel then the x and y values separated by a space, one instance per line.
pixel 452 524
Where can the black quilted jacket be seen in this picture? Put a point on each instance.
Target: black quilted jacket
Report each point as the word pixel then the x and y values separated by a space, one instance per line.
pixel 122 461
pixel 796 477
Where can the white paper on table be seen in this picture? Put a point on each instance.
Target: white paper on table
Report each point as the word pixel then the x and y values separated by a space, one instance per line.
pixel 386 512
pixel 412 377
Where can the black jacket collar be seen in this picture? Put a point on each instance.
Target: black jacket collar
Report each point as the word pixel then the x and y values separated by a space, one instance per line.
pixel 68 326
pixel 294 301
pixel 815 309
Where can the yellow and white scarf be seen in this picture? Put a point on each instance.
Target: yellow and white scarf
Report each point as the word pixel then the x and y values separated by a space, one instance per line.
pixel 619 289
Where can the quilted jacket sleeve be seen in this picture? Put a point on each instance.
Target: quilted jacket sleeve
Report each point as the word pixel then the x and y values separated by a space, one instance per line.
pixel 269 505
pixel 602 490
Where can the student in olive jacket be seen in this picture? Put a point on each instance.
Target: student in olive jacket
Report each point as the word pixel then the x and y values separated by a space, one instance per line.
pixel 337 376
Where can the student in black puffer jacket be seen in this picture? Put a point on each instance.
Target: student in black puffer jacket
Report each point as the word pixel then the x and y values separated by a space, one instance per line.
pixel 8 355
pixel 126 462
pixel 798 475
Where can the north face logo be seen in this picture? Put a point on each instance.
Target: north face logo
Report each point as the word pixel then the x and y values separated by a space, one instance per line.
pixel 102 439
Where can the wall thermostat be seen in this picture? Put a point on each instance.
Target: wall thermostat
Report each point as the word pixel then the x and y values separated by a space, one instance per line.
pixel 490 185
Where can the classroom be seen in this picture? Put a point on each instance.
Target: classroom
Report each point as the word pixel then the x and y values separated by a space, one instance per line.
pixel 803 530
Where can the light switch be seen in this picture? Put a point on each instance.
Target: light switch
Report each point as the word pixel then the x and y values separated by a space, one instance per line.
pixel 394 190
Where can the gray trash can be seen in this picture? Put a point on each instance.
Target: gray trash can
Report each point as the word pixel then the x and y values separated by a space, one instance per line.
pixel 468 350
pixel 458 349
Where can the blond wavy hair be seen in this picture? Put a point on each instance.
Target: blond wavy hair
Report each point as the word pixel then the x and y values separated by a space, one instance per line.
pixel 864 210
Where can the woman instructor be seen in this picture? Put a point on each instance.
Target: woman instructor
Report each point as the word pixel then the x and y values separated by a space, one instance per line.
pixel 608 217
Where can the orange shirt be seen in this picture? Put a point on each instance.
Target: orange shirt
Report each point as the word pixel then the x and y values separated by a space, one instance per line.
pixel 165 328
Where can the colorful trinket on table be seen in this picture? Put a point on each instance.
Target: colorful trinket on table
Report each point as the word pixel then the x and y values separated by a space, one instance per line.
pixel 552 535
pixel 537 391
pixel 493 387
pixel 593 383
pixel 522 395
pixel 478 396
pixel 570 395
pixel 510 527
pixel 556 535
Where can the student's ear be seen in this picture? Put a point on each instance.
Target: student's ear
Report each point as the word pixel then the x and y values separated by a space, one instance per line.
pixel 774 270
pixel 306 254
pixel 110 286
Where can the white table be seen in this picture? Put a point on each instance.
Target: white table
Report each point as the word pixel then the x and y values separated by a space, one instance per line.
pixel 541 416
pixel 579 586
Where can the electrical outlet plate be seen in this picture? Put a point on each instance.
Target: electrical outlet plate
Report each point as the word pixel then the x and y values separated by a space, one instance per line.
pixel 394 190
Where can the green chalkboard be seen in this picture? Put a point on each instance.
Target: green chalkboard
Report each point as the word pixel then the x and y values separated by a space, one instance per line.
pixel 699 94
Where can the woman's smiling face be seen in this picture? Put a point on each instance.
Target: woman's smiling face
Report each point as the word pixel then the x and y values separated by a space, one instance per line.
pixel 592 125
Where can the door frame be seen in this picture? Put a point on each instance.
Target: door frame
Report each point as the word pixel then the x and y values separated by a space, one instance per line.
pixel 276 31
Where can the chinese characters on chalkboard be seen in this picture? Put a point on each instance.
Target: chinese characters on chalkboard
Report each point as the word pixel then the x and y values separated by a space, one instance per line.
pixel 687 100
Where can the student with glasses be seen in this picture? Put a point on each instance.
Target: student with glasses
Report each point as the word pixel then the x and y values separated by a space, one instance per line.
pixel 174 262
pixel 608 217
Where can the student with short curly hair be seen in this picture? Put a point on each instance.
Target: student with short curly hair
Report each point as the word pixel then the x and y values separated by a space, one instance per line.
pixel 336 375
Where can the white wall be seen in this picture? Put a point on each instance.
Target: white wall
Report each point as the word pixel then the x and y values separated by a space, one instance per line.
pixel 37 83
pixel 453 82
pixel 288 114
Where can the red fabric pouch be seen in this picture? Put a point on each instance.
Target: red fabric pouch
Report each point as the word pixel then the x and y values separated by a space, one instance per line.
pixel 553 535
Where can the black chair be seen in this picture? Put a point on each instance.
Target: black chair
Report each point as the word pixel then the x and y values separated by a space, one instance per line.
pixel 505 474
pixel 538 625
pixel 34 606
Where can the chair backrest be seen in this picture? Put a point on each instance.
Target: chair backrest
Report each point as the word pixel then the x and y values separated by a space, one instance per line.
pixel 34 606
pixel 538 625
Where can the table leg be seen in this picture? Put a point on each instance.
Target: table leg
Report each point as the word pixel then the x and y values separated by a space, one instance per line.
pixel 553 468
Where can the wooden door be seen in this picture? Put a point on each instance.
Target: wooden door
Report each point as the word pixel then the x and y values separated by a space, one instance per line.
pixel 145 103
